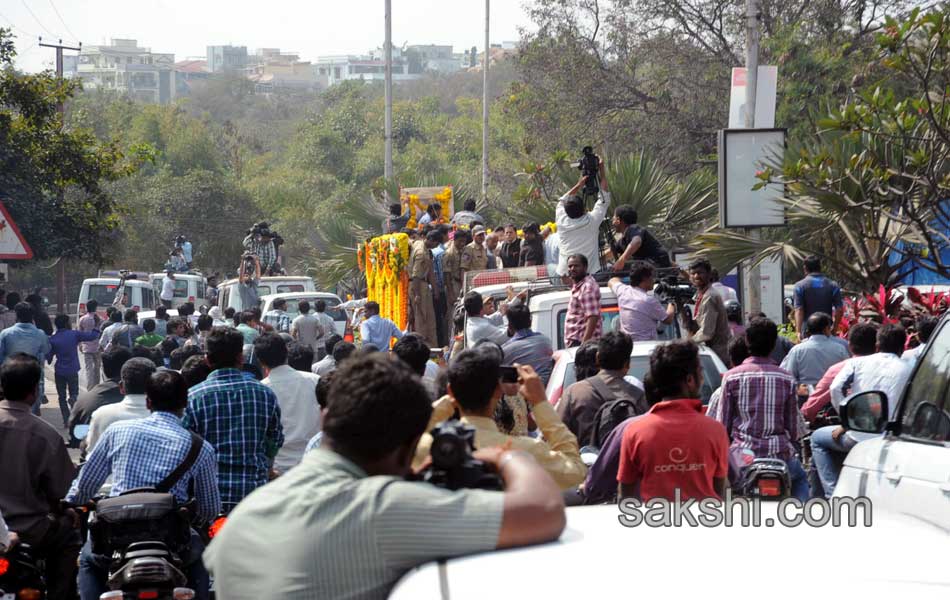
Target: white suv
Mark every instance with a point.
(907, 469)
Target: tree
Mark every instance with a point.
(870, 193)
(51, 178)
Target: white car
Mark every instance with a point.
(907, 469)
(295, 298)
(139, 294)
(189, 287)
(563, 377)
(596, 557)
(228, 296)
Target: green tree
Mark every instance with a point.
(51, 178)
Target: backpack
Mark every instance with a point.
(612, 412)
(121, 336)
(145, 514)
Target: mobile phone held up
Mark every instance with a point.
(509, 375)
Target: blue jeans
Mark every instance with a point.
(800, 487)
(828, 456)
(94, 571)
(66, 401)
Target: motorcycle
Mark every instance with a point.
(146, 533)
(21, 575)
(757, 477)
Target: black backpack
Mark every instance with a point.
(612, 412)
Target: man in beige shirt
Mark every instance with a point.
(475, 389)
(710, 325)
(475, 255)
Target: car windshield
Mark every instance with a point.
(103, 293)
(639, 365)
(338, 314)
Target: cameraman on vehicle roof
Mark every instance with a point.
(289, 538)
(579, 231)
(635, 242)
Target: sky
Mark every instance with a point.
(310, 27)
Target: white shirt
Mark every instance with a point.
(131, 407)
(883, 372)
(299, 412)
(324, 365)
(913, 355)
(725, 292)
(581, 235)
(491, 328)
(4, 535)
(328, 326)
(168, 288)
(307, 330)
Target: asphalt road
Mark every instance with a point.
(50, 411)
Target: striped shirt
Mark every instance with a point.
(240, 418)
(327, 530)
(759, 408)
(278, 319)
(143, 452)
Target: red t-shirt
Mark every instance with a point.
(674, 446)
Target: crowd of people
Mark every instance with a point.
(314, 446)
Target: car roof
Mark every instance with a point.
(150, 314)
(185, 275)
(641, 348)
(271, 278)
(114, 281)
(598, 549)
(289, 295)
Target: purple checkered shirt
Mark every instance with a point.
(759, 408)
(585, 302)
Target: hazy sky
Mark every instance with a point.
(310, 27)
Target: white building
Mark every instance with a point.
(331, 70)
(125, 67)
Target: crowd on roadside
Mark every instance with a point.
(313, 445)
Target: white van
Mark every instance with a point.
(294, 299)
(189, 287)
(228, 296)
(141, 296)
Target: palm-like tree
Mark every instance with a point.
(834, 209)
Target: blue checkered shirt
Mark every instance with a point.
(266, 252)
(240, 418)
(143, 452)
(278, 319)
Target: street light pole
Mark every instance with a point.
(754, 275)
(485, 109)
(62, 304)
(388, 49)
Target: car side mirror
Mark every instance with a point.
(80, 431)
(865, 412)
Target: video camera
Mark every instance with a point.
(672, 289)
(589, 165)
(452, 466)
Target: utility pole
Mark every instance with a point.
(61, 266)
(485, 109)
(753, 275)
(388, 50)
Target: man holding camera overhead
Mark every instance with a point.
(579, 230)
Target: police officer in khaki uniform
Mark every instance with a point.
(421, 277)
(475, 255)
(452, 274)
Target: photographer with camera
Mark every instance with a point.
(635, 243)
(249, 276)
(289, 539)
(475, 388)
(578, 230)
(640, 311)
(260, 243)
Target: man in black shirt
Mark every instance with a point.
(397, 219)
(532, 247)
(636, 243)
(510, 249)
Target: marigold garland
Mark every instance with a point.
(385, 262)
